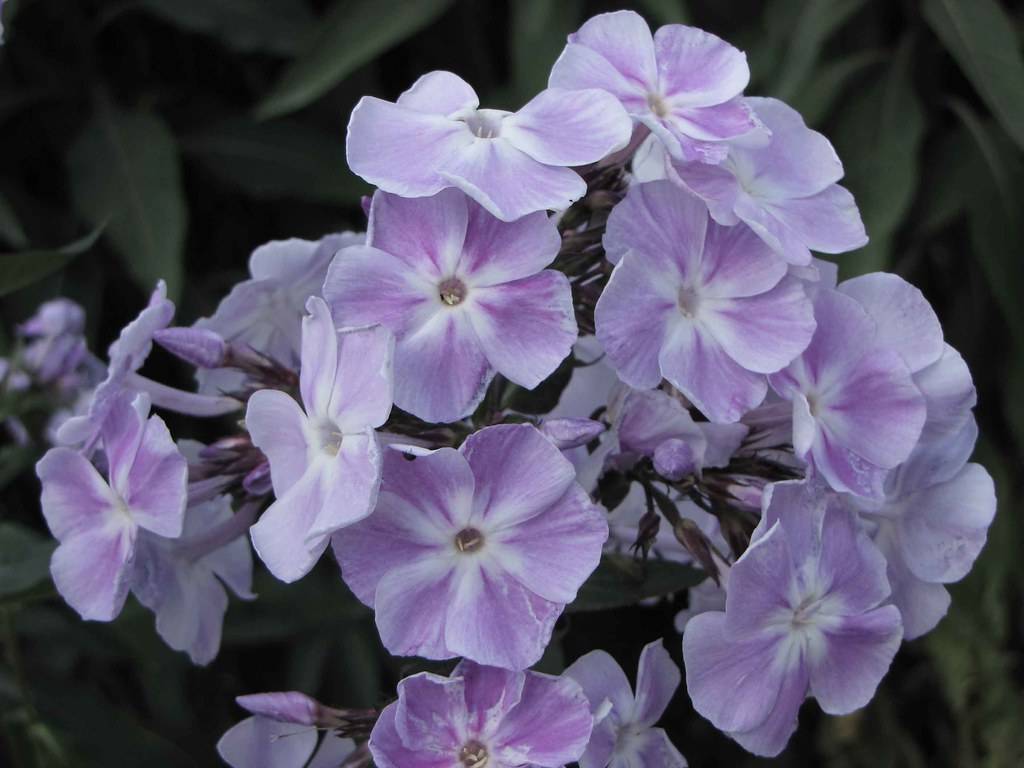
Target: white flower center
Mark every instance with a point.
(474, 755)
(689, 302)
(452, 291)
(328, 436)
(484, 123)
(657, 104)
(469, 540)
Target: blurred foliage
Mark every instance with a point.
(170, 137)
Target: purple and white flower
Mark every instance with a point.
(856, 410)
(784, 188)
(624, 735)
(512, 163)
(465, 295)
(803, 615)
(474, 552)
(683, 83)
(718, 308)
(56, 346)
(324, 455)
(482, 716)
(98, 522)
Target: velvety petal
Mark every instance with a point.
(581, 67)
(550, 726)
(508, 182)
(277, 426)
(734, 684)
(519, 474)
(439, 93)
(665, 223)
(767, 226)
(602, 679)
(944, 527)
(427, 234)
(633, 340)
(423, 503)
(365, 383)
(355, 478)
(400, 149)
(75, 498)
(91, 570)
(859, 652)
(694, 361)
(526, 327)
(497, 251)
(696, 68)
(906, 322)
(921, 604)
(770, 737)
(389, 752)
(431, 710)
(713, 184)
(569, 127)
(949, 394)
(737, 264)
(657, 679)
(536, 553)
(479, 616)
(710, 124)
(410, 606)
(259, 742)
(623, 40)
(441, 371)
(828, 222)
(491, 693)
(156, 486)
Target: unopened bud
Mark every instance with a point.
(571, 433)
(286, 707)
(696, 543)
(647, 533)
(257, 482)
(201, 347)
(674, 459)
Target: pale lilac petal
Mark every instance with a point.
(657, 679)
(581, 67)
(422, 504)
(550, 726)
(259, 742)
(519, 474)
(365, 384)
(479, 616)
(779, 237)
(737, 264)
(425, 234)
(944, 527)
(122, 430)
(646, 749)
(439, 93)
(75, 498)
(319, 371)
(399, 149)
(569, 127)
(713, 184)
(623, 40)
(508, 182)
(497, 251)
(191, 616)
(534, 552)
(602, 679)
(949, 394)
(828, 222)
(759, 585)
(157, 484)
(667, 224)
(922, 605)
(696, 68)
(491, 693)
(934, 461)
(601, 747)
(770, 737)
(277, 426)
(634, 340)
(430, 709)
(389, 752)
(283, 706)
(441, 371)
(696, 125)
(365, 285)
(906, 322)
(734, 684)
(92, 570)
(648, 418)
(527, 327)
(849, 562)
(844, 470)
(350, 491)
(859, 652)
(695, 363)
(409, 605)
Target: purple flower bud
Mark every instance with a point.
(285, 707)
(257, 482)
(571, 433)
(674, 459)
(201, 347)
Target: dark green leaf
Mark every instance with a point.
(10, 228)
(125, 169)
(539, 32)
(612, 489)
(982, 39)
(985, 141)
(20, 269)
(278, 160)
(828, 83)
(545, 396)
(353, 32)
(666, 11)
(270, 26)
(620, 581)
(879, 138)
(24, 559)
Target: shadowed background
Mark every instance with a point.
(168, 138)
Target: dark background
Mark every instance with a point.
(198, 129)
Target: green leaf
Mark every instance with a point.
(666, 11)
(817, 21)
(545, 396)
(10, 228)
(879, 137)
(981, 37)
(352, 33)
(269, 26)
(24, 559)
(20, 269)
(828, 83)
(125, 169)
(539, 32)
(621, 581)
(278, 160)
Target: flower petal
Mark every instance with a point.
(75, 498)
(426, 234)
(497, 251)
(277, 426)
(410, 606)
(365, 385)
(696, 68)
(667, 224)
(259, 742)
(828, 222)
(657, 679)
(92, 569)
(388, 750)
(439, 93)
(602, 679)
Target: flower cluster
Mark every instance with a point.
(638, 238)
